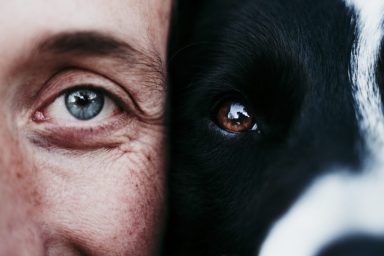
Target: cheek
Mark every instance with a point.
(107, 200)
(19, 199)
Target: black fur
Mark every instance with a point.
(289, 60)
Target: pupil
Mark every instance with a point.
(84, 104)
(82, 99)
(237, 113)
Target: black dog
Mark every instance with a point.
(277, 131)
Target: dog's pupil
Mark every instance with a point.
(234, 117)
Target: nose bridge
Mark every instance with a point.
(365, 189)
(344, 202)
(364, 59)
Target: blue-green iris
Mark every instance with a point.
(84, 104)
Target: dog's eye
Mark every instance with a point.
(234, 117)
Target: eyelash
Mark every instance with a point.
(62, 78)
(119, 102)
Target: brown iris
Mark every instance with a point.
(234, 117)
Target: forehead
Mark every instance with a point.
(312, 25)
(308, 30)
(26, 17)
(312, 38)
(24, 22)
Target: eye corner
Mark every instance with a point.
(38, 117)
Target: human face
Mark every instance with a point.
(81, 126)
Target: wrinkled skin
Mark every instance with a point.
(72, 187)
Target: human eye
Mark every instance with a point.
(81, 109)
(82, 104)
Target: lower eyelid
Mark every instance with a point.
(85, 138)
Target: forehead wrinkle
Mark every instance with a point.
(146, 63)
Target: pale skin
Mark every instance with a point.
(70, 186)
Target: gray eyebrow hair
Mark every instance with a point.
(94, 43)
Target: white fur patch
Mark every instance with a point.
(364, 61)
(342, 203)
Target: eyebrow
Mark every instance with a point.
(93, 43)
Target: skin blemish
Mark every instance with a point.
(39, 117)
(19, 175)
